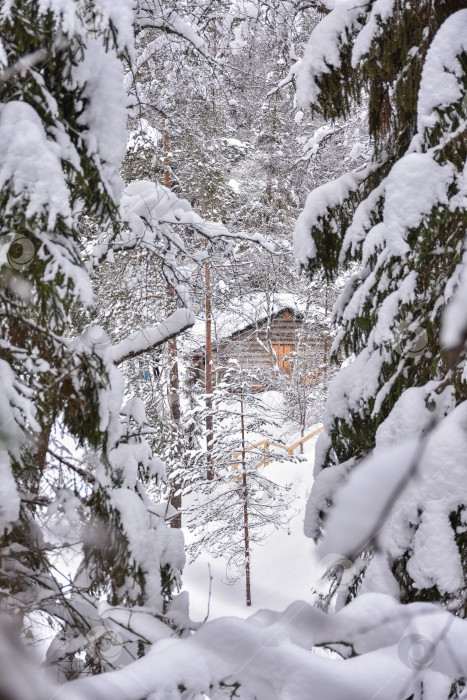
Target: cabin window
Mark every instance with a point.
(283, 354)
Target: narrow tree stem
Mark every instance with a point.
(208, 374)
(245, 510)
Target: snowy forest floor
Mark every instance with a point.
(278, 573)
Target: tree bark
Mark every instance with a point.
(245, 512)
(174, 403)
(208, 375)
(174, 380)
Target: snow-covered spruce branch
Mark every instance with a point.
(86, 475)
(30, 61)
(147, 339)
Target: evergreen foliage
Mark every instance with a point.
(402, 219)
(75, 465)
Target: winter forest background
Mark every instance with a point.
(172, 171)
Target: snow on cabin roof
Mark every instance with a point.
(241, 314)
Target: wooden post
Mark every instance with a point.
(208, 373)
(245, 511)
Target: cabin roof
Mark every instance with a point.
(261, 321)
(244, 314)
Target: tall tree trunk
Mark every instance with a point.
(174, 404)
(245, 511)
(166, 154)
(174, 380)
(208, 374)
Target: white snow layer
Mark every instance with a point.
(15, 410)
(323, 49)
(454, 323)
(317, 204)
(408, 486)
(414, 186)
(31, 164)
(441, 82)
(381, 10)
(70, 15)
(148, 338)
(269, 656)
(101, 73)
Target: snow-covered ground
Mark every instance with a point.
(281, 569)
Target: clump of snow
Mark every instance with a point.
(357, 232)
(122, 16)
(327, 484)
(441, 83)
(156, 468)
(312, 145)
(138, 341)
(9, 497)
(15, 410)
(402, 488)
(411, 416)
(236, 143)
(146, 201)
(383, 331)
(3, 56)
(298, 118)
(269, 656)
(101, 73)
(317, 203)
(414, 186)
(145, 134)
(360, 503)
(322, 52)
(31, 164)
(381, 10)
(454, 323)
(135, 409)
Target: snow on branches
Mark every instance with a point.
(402, 220)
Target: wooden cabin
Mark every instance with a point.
(260, 345)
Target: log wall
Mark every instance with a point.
(280, 336)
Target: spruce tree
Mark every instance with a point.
(51, 102)
(74, 464)
(403, 220)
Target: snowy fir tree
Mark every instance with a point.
(403, 219)
(75, 464)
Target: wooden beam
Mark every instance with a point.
(267, 443)
(308, 437)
